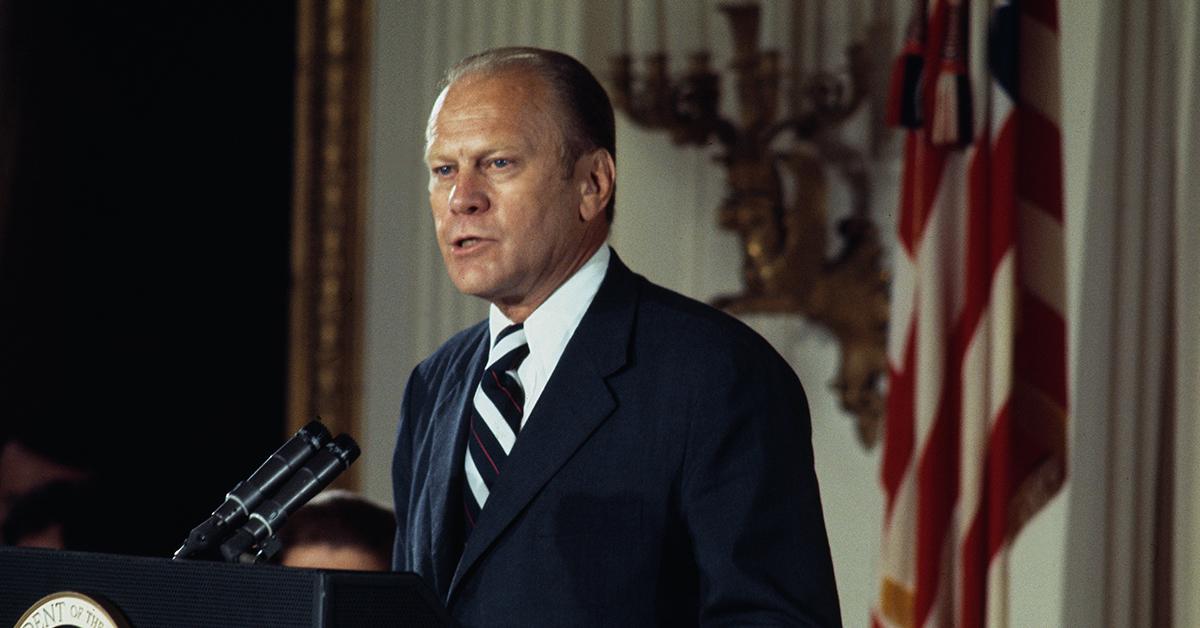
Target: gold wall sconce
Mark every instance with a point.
(784, 238)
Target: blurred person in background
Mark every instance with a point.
(63, 514)
(339, 530)
(57, 489)
(30, 461)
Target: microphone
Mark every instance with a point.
(240, 502)
(319, 472)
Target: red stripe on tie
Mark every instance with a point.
(484, 449)
(507, 394)
(470, 519)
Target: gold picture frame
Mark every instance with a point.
(328, 217)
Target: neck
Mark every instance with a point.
(518, 312)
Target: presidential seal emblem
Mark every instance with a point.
(70, 609)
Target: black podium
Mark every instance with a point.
(153, 592)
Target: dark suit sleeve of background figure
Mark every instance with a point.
(751, 501)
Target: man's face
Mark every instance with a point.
(511, 224)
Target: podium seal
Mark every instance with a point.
(71, 610)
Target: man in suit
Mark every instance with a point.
(600, 451)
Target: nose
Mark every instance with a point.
(469, 194)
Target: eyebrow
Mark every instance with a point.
(517, 147)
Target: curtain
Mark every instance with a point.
(1186, 570)
(1137, 343)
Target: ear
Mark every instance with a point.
(597, 176)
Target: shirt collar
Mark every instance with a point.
(551, 325)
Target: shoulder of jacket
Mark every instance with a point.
(455, 353)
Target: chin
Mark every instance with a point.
(480, 289)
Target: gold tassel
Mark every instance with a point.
(952, 123)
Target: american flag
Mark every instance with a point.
(975, 437)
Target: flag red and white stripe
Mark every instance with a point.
(975, 437)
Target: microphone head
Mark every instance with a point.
(315, 433)
(344, 448)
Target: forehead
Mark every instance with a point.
(478, 109)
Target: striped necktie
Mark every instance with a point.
(495, 419)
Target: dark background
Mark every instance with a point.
(144, 256)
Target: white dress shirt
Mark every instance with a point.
(550, 327)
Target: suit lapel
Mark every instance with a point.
(575, 402)
(448, 451)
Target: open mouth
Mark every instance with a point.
(466, 242)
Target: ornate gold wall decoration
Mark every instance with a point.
(328, 217)
(786, 267)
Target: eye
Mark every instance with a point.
(501, 163)
(443, 171)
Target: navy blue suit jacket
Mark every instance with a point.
(665, 476)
